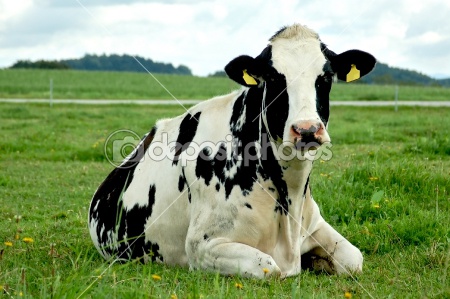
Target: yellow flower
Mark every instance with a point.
(348, 295)
(17, 237)
(156, 277)
(28, 240)
(373, 178)
(265, 270)
(239, 285)
(376, 206)
(7, 243)
(173, 296)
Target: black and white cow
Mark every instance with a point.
(224, 197)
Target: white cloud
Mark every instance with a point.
(12, 9)
(430, 37)
(205, 35)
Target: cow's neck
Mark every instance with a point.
(290, 226)
(296, 174)
(289, 178)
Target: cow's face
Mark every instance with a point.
(296, 67)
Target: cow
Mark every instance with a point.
(212, 189)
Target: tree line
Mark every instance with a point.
(107, 63)
(382, 74)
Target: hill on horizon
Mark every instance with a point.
(124, 63)
(120, 63)
(385, 74)
(382, 74)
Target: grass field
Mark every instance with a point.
(386, 189)
(121, 85)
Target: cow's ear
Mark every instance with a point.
(244, 70)
(352, 65)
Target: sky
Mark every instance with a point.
(206, 34)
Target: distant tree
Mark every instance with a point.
(444, 82)
(40, 64)
(183, 70)
(125, 63)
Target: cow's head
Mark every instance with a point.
(297, 70)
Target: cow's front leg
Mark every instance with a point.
(329, 251)
(227, 257)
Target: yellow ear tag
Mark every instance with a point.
(354, 74)
(249, 79)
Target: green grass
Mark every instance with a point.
(108, 85)
(68, 84)
(386, 189)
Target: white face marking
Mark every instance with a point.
(301, 62)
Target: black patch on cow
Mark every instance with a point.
(203, 168)
(187, 131)
(181, 183)
(134, 227)
(220, 160)
(277, 107)
(106, 206)
(205, 237)
(151, 196)
(306, 186)
(183, 177)
(327, 52)
(238, 111)
(247, 104)
(248, 133)
(271, 170)
(245, 157)
(266, 56)
(209, 166)
(323, 87)
(248, 205)
(152, 250)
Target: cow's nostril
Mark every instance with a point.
(307, 129)
(309, 133)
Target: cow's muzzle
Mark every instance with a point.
(309, 134)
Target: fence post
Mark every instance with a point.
(396, 98)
